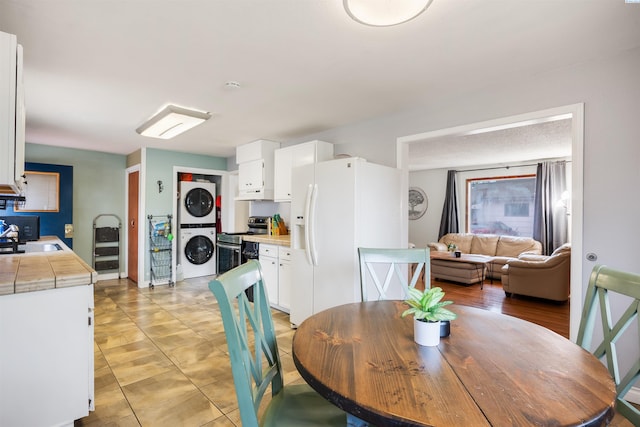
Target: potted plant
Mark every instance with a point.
(451, 247)
(428, 311)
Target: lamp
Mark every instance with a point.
(172, 121)
(384, 13)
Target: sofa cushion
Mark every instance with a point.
(484, 244)
(461, 240)
(513, 246)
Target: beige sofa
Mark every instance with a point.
(501, 249)
(540, 276)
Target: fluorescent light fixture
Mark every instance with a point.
(172, 121)
(384, 13)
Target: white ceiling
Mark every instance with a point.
(95, 70)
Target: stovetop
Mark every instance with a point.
(236, 238)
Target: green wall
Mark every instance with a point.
(158, 166)
(98, 188)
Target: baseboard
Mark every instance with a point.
(633, 395)
(111, 276)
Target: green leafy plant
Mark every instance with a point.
(427, 305)
(451, 247)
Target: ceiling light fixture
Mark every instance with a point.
(384, 13)
(172, 121)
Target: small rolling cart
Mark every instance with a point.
(160, 252)
(106, 243)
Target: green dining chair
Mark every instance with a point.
(390, 268)
(603, 283)
(255, 362)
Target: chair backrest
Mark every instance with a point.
(603, 282)
(255, 362)
(395, 266)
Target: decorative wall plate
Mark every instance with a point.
(418, 202)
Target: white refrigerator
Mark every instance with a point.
(336, 207)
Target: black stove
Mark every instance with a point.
(255, 224)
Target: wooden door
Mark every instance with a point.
(132, 226)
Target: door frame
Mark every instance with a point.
(577, 186)
(223, 192)
(135, 168)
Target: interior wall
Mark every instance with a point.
(98, 188)
(611, 94)
(159, 166)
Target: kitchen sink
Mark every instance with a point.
(32, 247)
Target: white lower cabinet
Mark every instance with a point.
(284, 278)
(268, 257)
(275, 262)
(46, 357)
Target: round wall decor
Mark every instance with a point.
(418, 202)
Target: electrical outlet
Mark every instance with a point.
(68, 231)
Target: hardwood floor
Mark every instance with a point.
(551, 315)
(160, 354)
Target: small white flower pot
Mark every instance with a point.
(426, 333)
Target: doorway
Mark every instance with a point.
(133, 206)
(576, 112)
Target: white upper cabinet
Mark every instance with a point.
(12, 118)
(296, 155)
(255, 170)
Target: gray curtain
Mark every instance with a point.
(550, 221)
(449, 220)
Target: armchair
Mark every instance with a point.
(540, 276)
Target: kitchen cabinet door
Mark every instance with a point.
(282, 175)
(268, 258)
(12, 116)
(284, 278)
(46, 356)
(250, 176)
(288, 158)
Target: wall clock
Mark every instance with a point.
(418, 202)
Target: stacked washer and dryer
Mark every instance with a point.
(197, 218)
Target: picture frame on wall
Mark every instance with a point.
(418, 202)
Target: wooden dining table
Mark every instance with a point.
(493, 370)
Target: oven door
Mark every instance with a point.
(228, 256)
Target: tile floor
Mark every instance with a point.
(160, 357)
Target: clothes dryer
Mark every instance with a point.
(197, 251)
(197, 204)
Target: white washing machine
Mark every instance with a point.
(197, 203)
(197, 251)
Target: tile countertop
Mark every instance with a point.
(271, 240)
(37, 271)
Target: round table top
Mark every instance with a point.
(493, 369)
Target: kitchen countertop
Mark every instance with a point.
(37, 271)
(284, 240)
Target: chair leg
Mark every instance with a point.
(353, 421)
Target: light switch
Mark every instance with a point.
(68, 231)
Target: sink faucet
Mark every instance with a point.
(9, 230)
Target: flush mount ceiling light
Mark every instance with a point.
(384, 13)
(172, 121)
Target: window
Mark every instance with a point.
(41, 192)
(502, 205)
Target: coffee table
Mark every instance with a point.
(481, 262)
